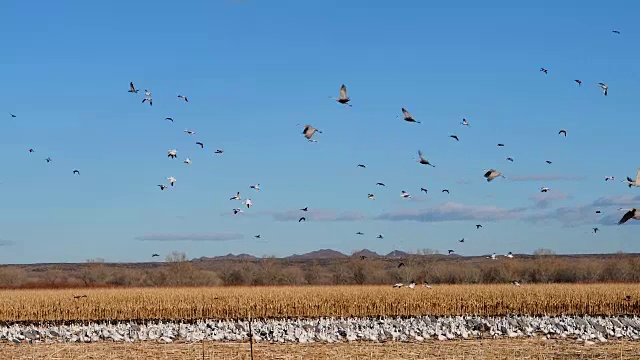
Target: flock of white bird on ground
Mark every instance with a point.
(309, 131)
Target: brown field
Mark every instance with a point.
(497, 349)
(314, 301)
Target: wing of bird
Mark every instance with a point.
(131, 86)
(638, 176)
(201, 144)
(406, 114)
(628, 215)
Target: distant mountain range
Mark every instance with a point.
(314, 255)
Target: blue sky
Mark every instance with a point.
(254, 69)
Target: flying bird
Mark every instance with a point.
(12, 115)
(465, 122)
(172, 180)
(150, 100)
(76, 172)
(510, 159)
(380, 236)
(162, 186)
(147, 92)
(424, 190)
(219, 152)
(362, 166)
(579, 82)
(478, 226)
(548, 162)
(309, 131)
(236, 196)
(631, 182)
(405, 195)
(359, 233)
(305, 208)
(461, 240)
(400, 265)
(450, 251)
(544, 189)
(187, 161)
(313, 140)
(31, 150)
(492, 174)
(172, 153)
(48, 160)
(598, 212)
(248, 203)
(607, 178)
(500, 144)
(183, 98)
(445, 190)
(200, 144)
(632, 213)
(454, 137)
(563, 132)
(302, 219)
(189, 132)
(408, 117)
(604, 88)
(255, 187)
(343, 98)
(132, 89)
(544, 70)
(380, 184)
(615, 32)
(170, 119)
(155, 255)
(422, 160)
(371, 196)
(237, 211)
(257, 236)
(595, 230)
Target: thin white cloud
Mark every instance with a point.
(452, 211)
(545, 200)
(548, 177)
(191, 237)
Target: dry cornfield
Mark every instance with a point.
(316, 301)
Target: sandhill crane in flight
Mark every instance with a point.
(155, 255)
(510, 159)
(219, 152)
(12, 115)
(257, 236)
(255, 187)
(313, 140)
(607, 178)
(631, 182)
(371, 197)
(615, 32)
(150, 100)
(562, 132)
(548, 162)
(632, 213)
(380, 184)
(579, 82)
(200, 144)
(478, 226)
(595, 230)
(408, 117)
(492, 174)
(172, 180)
(248, 203)
(343, 98)
(309, 130)
(162, 186)
(598, 212)
(400, 265)
(169, 119)
(31, 150)
(236, 196)
(302, 219)
(604, 88)
(544, 189)
(454, 137)
(147, 92)
(362, 166)
(450, 251)
(544, 70)
(446, 190)
(183, 98)
(172, 153)
(379, 236)
(187, 161)
(405, 195)
(48, 160)
(422, 160)
(305, 208)
(465, 122)
(76, 172)
(424, 190)
(237, 211)
(132, 89)
(359, 233)
(189, 132)
(501, 144)
(461, 240)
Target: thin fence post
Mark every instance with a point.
(250, 339)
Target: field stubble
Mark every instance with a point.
(188, 304)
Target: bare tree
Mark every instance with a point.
(176, 256)
(543, 251)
